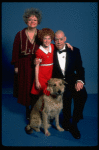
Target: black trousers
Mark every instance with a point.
(79, 98)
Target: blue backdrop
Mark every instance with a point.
(79, 21)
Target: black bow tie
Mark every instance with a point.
(62, 51)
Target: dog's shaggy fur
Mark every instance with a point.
(47, 107)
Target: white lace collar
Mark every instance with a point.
(44, 50)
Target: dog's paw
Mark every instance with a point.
(48, 126)
(47, 133)
(28, 130)
(60, 129)
(37, 129)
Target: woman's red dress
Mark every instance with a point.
(45, 70)
(22, 57)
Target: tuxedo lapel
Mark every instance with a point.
(67, 59)
(57, 62)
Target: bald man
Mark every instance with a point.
(68, 66)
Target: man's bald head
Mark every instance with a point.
(60, 32)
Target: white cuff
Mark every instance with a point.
(80, 81)
(40, 60)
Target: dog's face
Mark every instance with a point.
(56, 86)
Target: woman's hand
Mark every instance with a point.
(16, 70)
(69, 46)
(38, 85)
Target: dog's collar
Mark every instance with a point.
(54, 96)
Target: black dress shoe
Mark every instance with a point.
(74, 131)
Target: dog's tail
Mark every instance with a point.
(28, 129)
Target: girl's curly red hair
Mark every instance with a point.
(44, 32)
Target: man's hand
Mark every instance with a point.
(69, 46)
(79, 85)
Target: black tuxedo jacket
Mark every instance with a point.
(73, 69)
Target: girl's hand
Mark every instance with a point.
(37, 61)
(69, 46)
(16, 70)
(38, 85)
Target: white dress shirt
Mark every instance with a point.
(62, 60)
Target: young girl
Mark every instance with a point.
(43, 71)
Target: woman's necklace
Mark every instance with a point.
(33, 41)
(33, 36)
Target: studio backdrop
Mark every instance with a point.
(79, 22)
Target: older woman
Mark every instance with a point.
(24, 47)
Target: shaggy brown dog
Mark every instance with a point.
(47, 107)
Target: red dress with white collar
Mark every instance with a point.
(45, 68)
